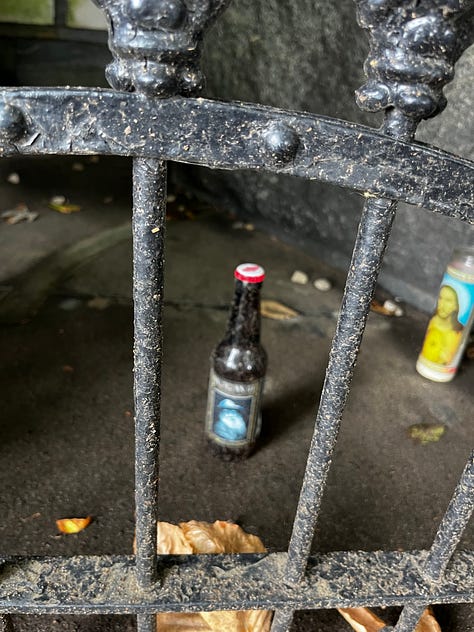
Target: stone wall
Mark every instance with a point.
(298, 55)
(305, 55)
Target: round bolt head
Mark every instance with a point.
(281, 142)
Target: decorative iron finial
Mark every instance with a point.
(156, 44)
(413, 48)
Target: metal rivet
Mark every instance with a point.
(281, 142)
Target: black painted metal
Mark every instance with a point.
(369, 248)
(6, 623)
(155, 46)
(149, 210)
(446, 540)
(108, 584)
(236, 136)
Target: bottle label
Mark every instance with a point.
(449, 326)
(233, 411)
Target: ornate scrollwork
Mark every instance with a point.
(413, 48)
(156, 44)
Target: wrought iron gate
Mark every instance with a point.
(152, 116)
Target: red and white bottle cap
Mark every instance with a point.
(249, 272)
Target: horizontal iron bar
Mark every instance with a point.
(108, 584)
(236, 136)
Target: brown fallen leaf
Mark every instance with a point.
(203, 537)
(364, 620)
(388, 308)
(361, 619)
(73, 525)
(378, 308)
(277, 311)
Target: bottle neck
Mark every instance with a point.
(243, 328)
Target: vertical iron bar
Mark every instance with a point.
(453, 524)
(447, 538)
(367, 257)
(369, 248)
(149, 210)
(146, 623)
(282, 620)
(374, 229)
(409, 618)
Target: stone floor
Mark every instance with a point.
(66, 375)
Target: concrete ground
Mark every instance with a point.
(66, 375)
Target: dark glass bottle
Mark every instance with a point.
(238, 366)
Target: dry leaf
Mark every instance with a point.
(73, 525)
(202, 537)
(171, 540)
(20, 213)
(227, 537)
(220, 537)
(99, 302)
(364, 620)
(428, 622)
(378, 308)
(426, 433)
(388, 308)
(66, 209)
(277, 311)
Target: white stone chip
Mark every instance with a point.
(322, 284)
(299, 277)
(13, 178)
(393, 308)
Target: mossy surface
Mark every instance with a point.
(27, 11)
(82, 14)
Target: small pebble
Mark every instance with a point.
(243, 226)
(108, 199)
(299, 277)
(77, 166)
(69, 304)
(171, 198)
(393, 308)
(98, 302)
(94, 159)
(57, 199)
(13, 178)
(323, 285)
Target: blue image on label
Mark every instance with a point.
(463, 300)
(231, 416)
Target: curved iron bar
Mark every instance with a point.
(236, 136)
